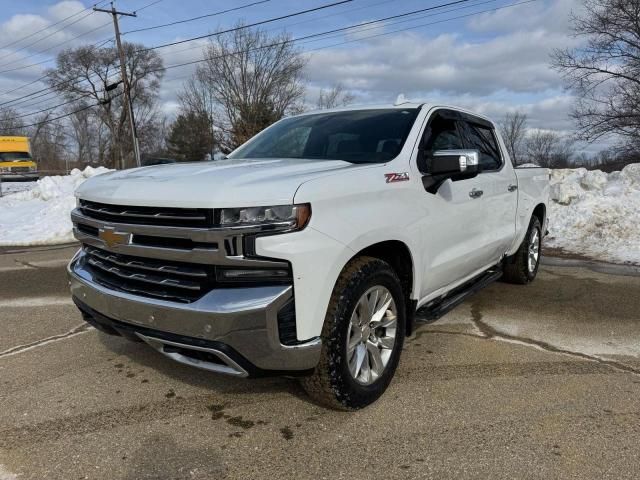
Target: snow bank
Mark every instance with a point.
(592, 213)
(40, 216)
(596, 214)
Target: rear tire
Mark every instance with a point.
(362, 337)
(522, 267)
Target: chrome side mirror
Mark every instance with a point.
(442, 165)
(453, 162)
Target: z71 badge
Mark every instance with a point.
(397, 177)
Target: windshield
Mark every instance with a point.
(356, 136)
(15, 157)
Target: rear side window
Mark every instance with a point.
(482, 138)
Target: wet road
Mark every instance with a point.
(540, 381)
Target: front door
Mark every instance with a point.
(452, 229)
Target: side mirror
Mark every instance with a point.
(453, 164)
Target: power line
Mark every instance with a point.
(50, 89)
(73, 100)
(98, 45)
(313, 19)
(49, 49)
(52, 25)
(262, 22)
(47, 36)
(423, 25)
(317, 35)
(49, 120)
(147, 6)
(320, 34)
(177, 22)
(150, 4)
(405, 20)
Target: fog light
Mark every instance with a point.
(251, 274)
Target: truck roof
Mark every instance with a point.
(14, 144)
(399, 106)
(12, 138)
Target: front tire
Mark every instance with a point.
(522, 267)
(362, 337)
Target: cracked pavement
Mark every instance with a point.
(540, 381)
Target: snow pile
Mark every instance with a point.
(596, 214)
(40, 216)
(592, 213)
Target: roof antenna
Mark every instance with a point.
(401, 99)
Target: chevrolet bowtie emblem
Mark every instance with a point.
(112, 238)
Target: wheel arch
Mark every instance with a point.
(540, 211)
(398, 255)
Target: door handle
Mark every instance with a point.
(475, 193)
(512, 188)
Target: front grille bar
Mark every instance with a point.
(153, 279)
(126, 213)
(160, 216)
(148, 265)
(163, 295)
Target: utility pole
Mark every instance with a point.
(125, 80)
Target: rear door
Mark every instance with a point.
(498, 184)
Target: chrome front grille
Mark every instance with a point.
(137, 255)
(163, 216)
(167, 280)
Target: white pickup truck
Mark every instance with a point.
(309, 250)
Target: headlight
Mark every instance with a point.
(5, 169)
(277, 217)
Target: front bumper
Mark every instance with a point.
(238, 326)
(19, 177)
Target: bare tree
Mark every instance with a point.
(334, 97)
(84, 73)
(82, 132)
(604, 72)
(198, 101)
(513, 129)
(48, 141)
(10, 124)
(548, 149)
(255, 79)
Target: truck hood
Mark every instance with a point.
(221, 183)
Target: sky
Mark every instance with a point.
(491, 56)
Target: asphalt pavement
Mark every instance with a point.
(540, 381)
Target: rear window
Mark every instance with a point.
(356, 136)
(483, 139)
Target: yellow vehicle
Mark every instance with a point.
(16, 162)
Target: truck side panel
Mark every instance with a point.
(533, 189)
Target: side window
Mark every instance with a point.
(482, 138)
(442, 134)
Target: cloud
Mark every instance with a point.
(498, 61)
(492, 63)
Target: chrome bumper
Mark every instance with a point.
(20, 177)
(237, 323)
